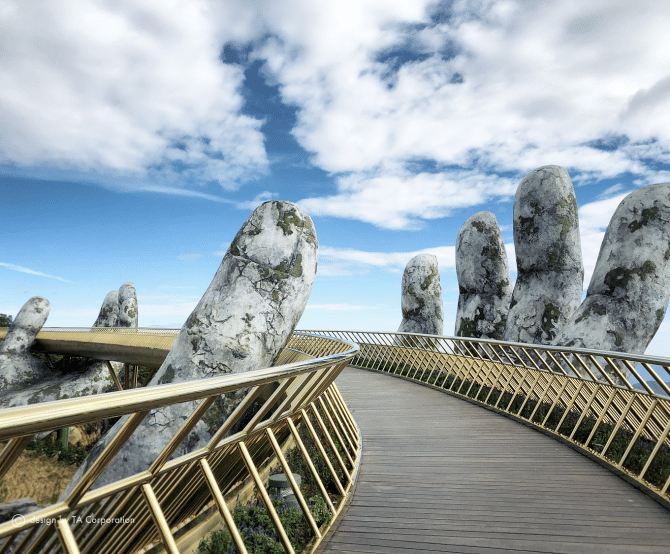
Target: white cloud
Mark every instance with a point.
(32, 272)
(137, 90)
(394, 198)
(259, 199)
(131, 88)
(539, 83)
(390, 260)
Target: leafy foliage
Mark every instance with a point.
(54, 448)
(253, 520)
(5, 320)
(258, 531)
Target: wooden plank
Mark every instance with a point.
(439, 474)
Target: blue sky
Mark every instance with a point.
(137, 136)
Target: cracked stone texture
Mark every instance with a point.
(17, 367)
(81, 380)
(484, 282)
(84, 381)
(628, 294)
(109, 311)
(421, 297)
(127, 316)
(242, 323)
(43, 384)
(550, 272)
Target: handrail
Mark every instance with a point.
(174, 490)
(581, 397)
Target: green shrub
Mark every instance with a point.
(259, 533)
(54, 448)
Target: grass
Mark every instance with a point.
(657, 473)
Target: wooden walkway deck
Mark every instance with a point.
(439, 474)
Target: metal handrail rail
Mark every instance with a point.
(579, 396)
(172, 491)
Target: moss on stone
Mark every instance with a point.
(660, 313)
(550, 316)
(527, 226)
(467, 328)
(566, 223)
(428, 280)
(275, 296)
(409, 314)
(620, 276)
(34, 399)
(498, 330)
(557, 256)
(592, 309)
(481, 227)
(192, 322)
(618, 338)
(648, 215)
(296, 270)
(168, 376)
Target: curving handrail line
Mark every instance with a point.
(146, 508)
(578, 396)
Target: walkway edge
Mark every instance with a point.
(347, 501)
(585, 452)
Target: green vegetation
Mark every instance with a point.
(55, 449)
(3, 491)
(253, 520)
(5, 320)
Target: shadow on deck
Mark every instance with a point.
(439, 474)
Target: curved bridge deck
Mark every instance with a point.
(439, 474)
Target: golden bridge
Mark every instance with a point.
(435, 444)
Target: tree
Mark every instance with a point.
(5, 320)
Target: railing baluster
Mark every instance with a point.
(159, 519)
(66, 537)
(221, 505)
(310, 464)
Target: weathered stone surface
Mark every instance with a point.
(20, 506)
(550, 272)
(628, 294)
(127, 315)
(421, 297)
(242, 322)
(17, 367)
(84, 380)
(484, 282)
(109, 311)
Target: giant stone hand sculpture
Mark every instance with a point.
(109, 311)
(629, 291)
(421, 297)
(85, 377)
(483, 278)
(17, 367)
(242, 323)
(550, 273)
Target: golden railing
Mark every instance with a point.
(146, 508)
(581, 397)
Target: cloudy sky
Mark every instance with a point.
(137, 136)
